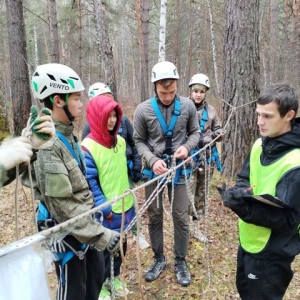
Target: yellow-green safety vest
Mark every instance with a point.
(264, 180)
(110, 162)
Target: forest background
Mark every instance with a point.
(243, 46)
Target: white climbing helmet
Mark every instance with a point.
(164, 70)
(98, 88)
(55, 78)
(200, 79)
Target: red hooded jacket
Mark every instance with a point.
(98, 111)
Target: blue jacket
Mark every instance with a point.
(126, 132)
(115, 222)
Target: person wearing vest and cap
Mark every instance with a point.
(106, 170)
(269, 235)
(166, 126)
(60, 183)
(210, 127)
(134, 162)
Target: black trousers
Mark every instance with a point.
(117, 261)
(262, 279)
(80, 279)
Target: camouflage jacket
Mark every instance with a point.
(60, 184)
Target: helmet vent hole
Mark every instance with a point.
(44, 89)
(51, 77)
(63, 81)
(36, 74)
(74, 78)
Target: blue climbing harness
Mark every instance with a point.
(67, 256)
(214, 151)
(148, 174)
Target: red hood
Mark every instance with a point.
(98, 111)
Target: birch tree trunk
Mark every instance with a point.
(53, 31)
(105, 48)
(20, 88)
(36, 53)
(241, 82)
(162, 31)
(213, 46)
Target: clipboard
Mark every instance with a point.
(268, 199)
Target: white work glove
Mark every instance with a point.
(39, 129)
(14, 152)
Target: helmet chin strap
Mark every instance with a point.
(67, 112)
(65, 108)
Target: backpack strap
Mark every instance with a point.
(167, 129)
(70, 148)
(204, 118)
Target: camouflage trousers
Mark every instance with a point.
(199, 187)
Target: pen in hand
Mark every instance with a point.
(249, 188)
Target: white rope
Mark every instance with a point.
(16, 204)
(206, 252)
(51, 234)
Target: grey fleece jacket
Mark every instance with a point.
(149, 136)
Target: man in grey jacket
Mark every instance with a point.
(156, 138)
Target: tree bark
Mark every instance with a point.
(20, 88)
(294, 55)
(241, 82)
(105, 48)
(144, 83)
(274, 41)
(145, 31)
(53, 31)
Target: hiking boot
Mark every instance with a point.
(118, 287)
(142, 241)
(104, 294)
(155, 269)
(182, 273)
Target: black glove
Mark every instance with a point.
(114, 244)
(219, 131)
(233, 197)
(136, 176)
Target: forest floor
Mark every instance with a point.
(212, 265)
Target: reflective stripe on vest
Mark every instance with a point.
(108, 161)
(264, 179)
